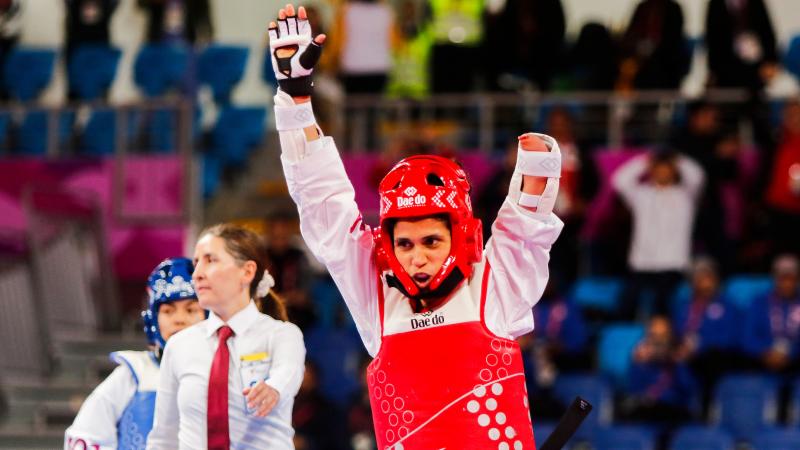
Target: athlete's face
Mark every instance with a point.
(177, 315)
(219, 279)
(421, 246)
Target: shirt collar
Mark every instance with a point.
(239, 323)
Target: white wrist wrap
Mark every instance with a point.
(529, 200)
(295, 117)
(539, 164)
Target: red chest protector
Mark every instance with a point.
(450, 387)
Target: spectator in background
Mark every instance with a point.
(654, 46)
(741, 44)
(11, 12)
(457, 34)
(577, 186)
(363, 35)
(660, 386)
(561, 335)
(494, 194)
(593, 61)
(717, 152)
(525, 39)
(182, 21)
(706, 327)
(742, 53)
(88, 22)
(661, 189)
(540, 375)
(410, 75)
(771, 332)
(359, 413)
(318, 424)
(783, 189)
(288, 264)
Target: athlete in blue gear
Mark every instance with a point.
(118, 414)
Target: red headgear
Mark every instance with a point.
(427, 185)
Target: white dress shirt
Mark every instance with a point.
(518, 251)
(277, 350)
(662, 216)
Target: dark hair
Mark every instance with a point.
(245, 245)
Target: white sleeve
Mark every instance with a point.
(96, 423)
(288, 361)
(517, 254)
(692, 175)
(332, 227)
(164, 435)
(625, 179)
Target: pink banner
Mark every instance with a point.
(152, 188)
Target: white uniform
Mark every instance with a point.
(659, 212)
(261, 348)
(331, 225)
(119, 412)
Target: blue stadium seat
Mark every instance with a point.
(741, 290)
(237, 132)
(91, 70)
(745, 404)
(695, 437)
(337, 352)
(791, 59)
(99, 135)
(599, 293)
(160, 67)
(681, 296)
(596, 390)
(614, 350)
(27, 72)
(625, 438)
(777, 439)
(221, 67)
(267, 73)
(32, 134)
(212, 173)
(794, 404)
(541, 431)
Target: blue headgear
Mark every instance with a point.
(169, 282)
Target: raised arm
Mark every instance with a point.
(329, 218)
(692, 175)
(518, 252)
(626, 178)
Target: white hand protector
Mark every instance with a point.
(294, 54)
(538, 164)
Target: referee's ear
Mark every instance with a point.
(249, 269)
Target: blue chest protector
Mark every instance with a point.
(137, 419)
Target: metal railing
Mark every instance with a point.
(484, 121)
(155, 127)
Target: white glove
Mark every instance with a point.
(294, 54)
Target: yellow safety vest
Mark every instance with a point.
(457, 22)
(409, 76)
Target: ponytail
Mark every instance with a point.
(273, 305)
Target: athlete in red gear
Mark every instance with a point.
(437, 311)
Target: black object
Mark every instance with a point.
(568, 424)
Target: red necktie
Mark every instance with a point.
(217, 414)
